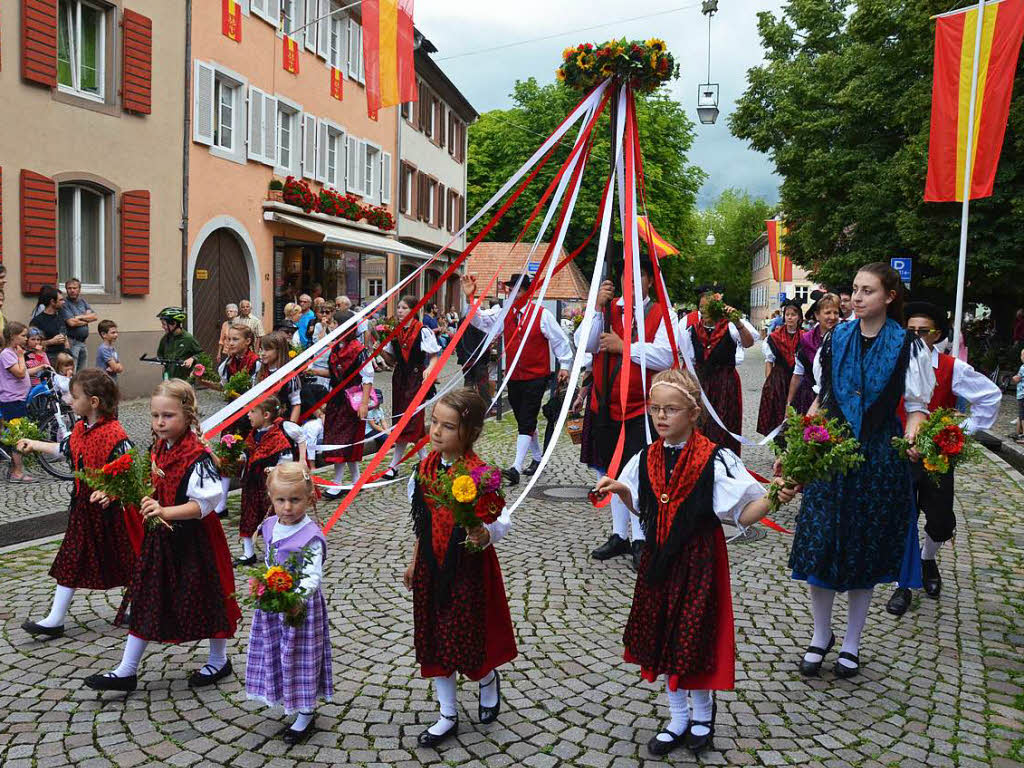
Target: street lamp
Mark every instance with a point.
(707, 93)
(710, 239)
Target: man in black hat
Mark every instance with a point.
(953, 378)
(530, 375)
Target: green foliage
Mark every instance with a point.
(842, 106)
(238, 384)
(942, 443)
(127, 479)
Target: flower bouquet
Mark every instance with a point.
(645, 65)
(127, 479)
(227, 454)
(942, 442)
(203, 371)
(16, 430)
(384, 327)
(294, 351)
(276, 589)
(715, 309)
(473, 495)
(238, 384)
(816, 449)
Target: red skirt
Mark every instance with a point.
(721, 383)
(405, 383)
(96, 552)
(773, 399)
(342, 426)
(255, 502)
(683, 627)
(472, 632)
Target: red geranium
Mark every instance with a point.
(121, 464)
(950, 440)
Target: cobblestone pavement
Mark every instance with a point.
(940, 687)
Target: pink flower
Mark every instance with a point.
(816, 434)
(487, 479)
(253, 586)
(198, 370)
(260, 589)
(229, 440)
(380, 328)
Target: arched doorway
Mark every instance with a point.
(220, 277)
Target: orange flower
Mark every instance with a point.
(278, 579)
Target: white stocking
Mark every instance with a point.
(620, 517)
(247, 547)
(339, 474)
(679, 709)
(218, 653)
(489, 690)
(133, 651)
(522, 448)
(353, 471)
(444, 688)
(702, 710)
(859, 602)
(396, 459)
(302, 720)
(929, 548)
(225, 484)
(636, 528)
(535, 447)
(821, 612)
(61, 600)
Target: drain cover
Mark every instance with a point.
(754, 533)
(565, 493)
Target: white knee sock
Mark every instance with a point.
(679, 709)
(61, 600)
(339, 474)
(620, 517)
(821, 612)
(396, 459)
(133, 651)
(929, 548)
(247, 547)
(635, 527)
(218, 653)
(225, 484)
(444, 688)
(702, 709)
(535, 447)
(302, 720)
(522, 448)
(353, 471)
(857, 615)
(489, 690)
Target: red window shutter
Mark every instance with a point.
(135, 242)
(39, 42)
(137, 76)
(38, 231)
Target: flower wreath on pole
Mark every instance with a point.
(644, 65)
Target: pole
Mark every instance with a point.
(968, 175)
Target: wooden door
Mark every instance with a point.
(221, 277)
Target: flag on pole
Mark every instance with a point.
(955, 36)
(337, 84)
(782, 267)
(290, 55)
(662, 247)
(231, 20)
(388, 53)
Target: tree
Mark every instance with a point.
(842, 106)
(502, 140)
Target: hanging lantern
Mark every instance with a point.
(707, 93)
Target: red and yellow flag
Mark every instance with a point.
(955, 37)
(337, 84)
(290, 55)
(231, 19)
(649, 235)
(388, 53)
(782, 267)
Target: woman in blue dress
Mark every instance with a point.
(852, 531)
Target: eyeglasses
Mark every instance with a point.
(922, 332)
(670, 411)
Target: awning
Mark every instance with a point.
(350, 238)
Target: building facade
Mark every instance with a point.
(765, 290)
(91, 162)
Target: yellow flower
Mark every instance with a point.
(654, 60)
(929, 465)
(560, 75)
(292, 353)
(583, 61)
(657, 44)
(272, 570)
(15, 422)
(464, 489)
(607, 70)
(567, 53)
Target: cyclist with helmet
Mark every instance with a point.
(177, 344)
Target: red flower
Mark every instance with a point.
(488, 507)
(807, 421)
(950, 440)
(121, 464)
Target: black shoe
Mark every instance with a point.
(844, 671)
(293, 737)
(250, 560)
(490, 714)
(532, 469)
(812, 668)
(34, 629)
(931, 577)
(698, 744)
(511, 475)
(202, 678)
(899, 602)
(107, 682)
(615, 546)
(428, 739)
(660, 748)
(389, 474)
(332, 493)
(637, 548)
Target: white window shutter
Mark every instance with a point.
(256, 97)
(342, 139)
(385, 178)
(352, 182)
(259, 7)
(297, 122)
(202, 117)
(309, 125)
(323, 46)
(323, 138)
(310, 31)
(362, 64)
(269, 130)
(354, 50)
(274, 12)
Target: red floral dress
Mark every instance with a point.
(261, 452)
(342, 425)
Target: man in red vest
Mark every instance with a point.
(953, 379)
(607, 414)
(532, 372)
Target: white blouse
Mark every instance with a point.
(734, 486)
(428, 343)
(313, 569)
(497, 529)
(204, 488)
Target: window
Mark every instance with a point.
(801, 292)
(431, 201)
(289, 139)
(219, 111)
(374, 287)
(355, 52)
(330, 152)
(291, 16)
(268, 10)
(371, 173)
(82, 235)
(224, 127)
(407, 110)
(408, 178)
(284, 138)
(336, 39)
(81, 48)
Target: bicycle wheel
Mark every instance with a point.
(54, 431)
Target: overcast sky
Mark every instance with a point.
(459, 27)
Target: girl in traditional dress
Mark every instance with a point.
(681, 622)
(97, 551)
(291, 666)
(275, 349)
(344, 425)
(460, 611)
(271, 442)
(412, 352)
(852, 531)
(779, 358)
(240, 358)
(182, 584)
(825, 310)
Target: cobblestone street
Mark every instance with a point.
(942, 686)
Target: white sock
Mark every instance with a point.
(857, 614)
(353, 471)
(302, 720)
(399, 453)
(821, 612)
(133, 651)
(702, 708)
(636, 528)
(620, 518)
(535, 447)
(522, 448)
(339, 474)
(247, 547)
(929, 548)
(679, 709)
(444, 688)
(218, 653)
(61, 600)
(489, 690)
(225, 484)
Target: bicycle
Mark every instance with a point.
(55, 420)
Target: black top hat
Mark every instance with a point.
(513, 279)
(798, 306)
(927, 309)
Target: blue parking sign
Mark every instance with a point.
(782, 297)
(903, 266)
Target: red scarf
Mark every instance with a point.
(273, 442)
(173, 464)
(407, 338)
(442, 521)
(246, 362)
(689, 466)
(92, 446)
(786, 344)
(342, 357)
(709, 342)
